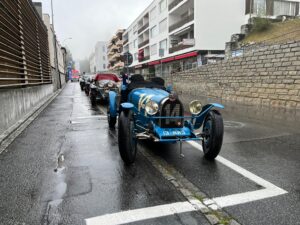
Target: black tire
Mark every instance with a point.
(213, 130)
(126, 138)
(93, 100)
(111, 119)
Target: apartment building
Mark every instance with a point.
(173, 35)
(271, 8)
(101, 56)
(92, 60)
(114, 51)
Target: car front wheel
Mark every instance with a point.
(111, 119)
(127, 137)
(213, 131)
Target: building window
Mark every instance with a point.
(162, 5)
(130, 46)
(260, 7)
(163, 26)
(104, 66)
(136, 56)
(103, 49)
(285, 8)
(135, 43)
(153, 32)
(153, 13)
(104, 58)
(153, 49)
(163, 45)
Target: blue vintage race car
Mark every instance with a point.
(147, 110)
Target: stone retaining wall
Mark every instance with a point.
(268, 76)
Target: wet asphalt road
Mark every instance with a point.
(65, 168)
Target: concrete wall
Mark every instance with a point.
(269, 76)
(16, 103)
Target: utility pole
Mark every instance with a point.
(55, 47)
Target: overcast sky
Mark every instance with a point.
(89, 21)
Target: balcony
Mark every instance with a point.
(116, 56)
(186, 43)
(114, 48)
(174, 4)
(183, 21)
(147, 57)
(143, 43)
(120, 43)
(143, 28)
(125, 41)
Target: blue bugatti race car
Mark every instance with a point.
(148, 110)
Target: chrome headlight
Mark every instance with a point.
(101, 85)
(110, 85)
(151, 108)
(195, 107)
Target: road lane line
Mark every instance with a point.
(270, 190)
(135, 215)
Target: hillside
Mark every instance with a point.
(279, 32)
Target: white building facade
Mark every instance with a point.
(173, 35)
(98, 58)
(92, 60)
(101, 60)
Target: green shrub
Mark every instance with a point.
(261, 24)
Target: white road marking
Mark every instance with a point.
(135, 215)
(89, 117)
(270, 189)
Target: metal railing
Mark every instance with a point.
(174, 4)
(24, 50)
(183, 21)
(143, 28)
(145, 58)
(144, 43)
(179, 47)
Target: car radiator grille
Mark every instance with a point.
(171, 109)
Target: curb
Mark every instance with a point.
(15, 130)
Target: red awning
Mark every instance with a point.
(154, 63)
(168, 60)
(187, 55)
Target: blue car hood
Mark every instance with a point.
(154, 94)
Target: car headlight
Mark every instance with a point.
(110, 85)
(195, 107)
(151, 108)
(101, 85)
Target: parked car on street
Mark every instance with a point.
(75, 78)
(102, 85)
(147, 110)
(83, 81)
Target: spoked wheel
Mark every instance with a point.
(213, 131)
(127, 137)
(111, 119)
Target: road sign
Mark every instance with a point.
(127, 59)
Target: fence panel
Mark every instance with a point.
(24, 51)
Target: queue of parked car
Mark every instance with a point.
(98, 86)
(148, 110)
